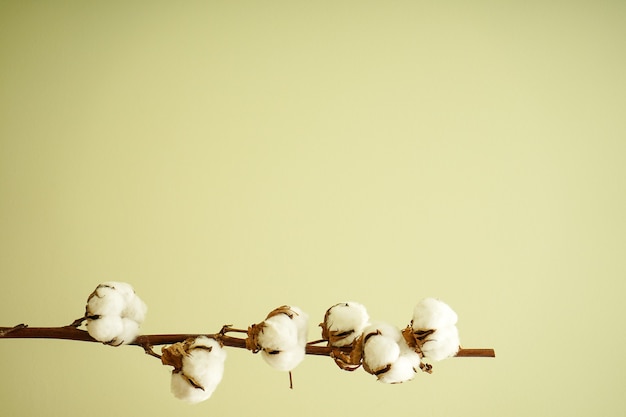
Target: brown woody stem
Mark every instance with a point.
(70, 332)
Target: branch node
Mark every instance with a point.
(12, 329)
(76, 323)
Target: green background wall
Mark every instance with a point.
(229, 157)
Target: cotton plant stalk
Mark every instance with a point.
(114, 313)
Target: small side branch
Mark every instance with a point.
(476, 353)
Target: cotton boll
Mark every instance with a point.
(388, 330)
(279, 333)
(105, 300)
(345, 322)
(281, 337)
(202, 369)
(431, 313)
(301, 320)
(205, 363)
(135, 309)
(379, 352)
(183, 390)
(402, 370)
(128, 334)
(442, 344)
(124, 289)
(284, 360)
(114, 313)
(105, 329)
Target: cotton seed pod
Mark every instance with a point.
(344, 323)
(441, 344)
(198, 368)
(281, 337)
(302, 324)
(114, 313)
(284, 360)
(433, 330)
(404, 368)
(104, 301)
(431, 313)
(386, 329)
(278, 332)
(380, 350)
(107, 329)
(135, 309)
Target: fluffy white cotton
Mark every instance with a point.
(388, 330)
(442, 344)
(431, 313)
(379, 351)
(104, 301)
(135, 309)
(301, 319)
(107, 329)
(345, 323)
(183, 390)
(402, 370)
(114, 313)
(283, 339)
(279, 333)
(284, 360)
(201, 373)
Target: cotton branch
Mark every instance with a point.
(22, 331)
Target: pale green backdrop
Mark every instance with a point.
(229, 157)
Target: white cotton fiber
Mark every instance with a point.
(284, 360)
(135, 309)
(442, 344)
(124, 288)
(279, 333)
(379, 351)
(388, 330)
(183, 390)
(106, 329)
(105, 300)
(283, 338)
(130, 332)
(202, 371)
(431, 313)
(402, 370)
(114, 313)
(205, 363)
(301, 320)
(347, 318)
